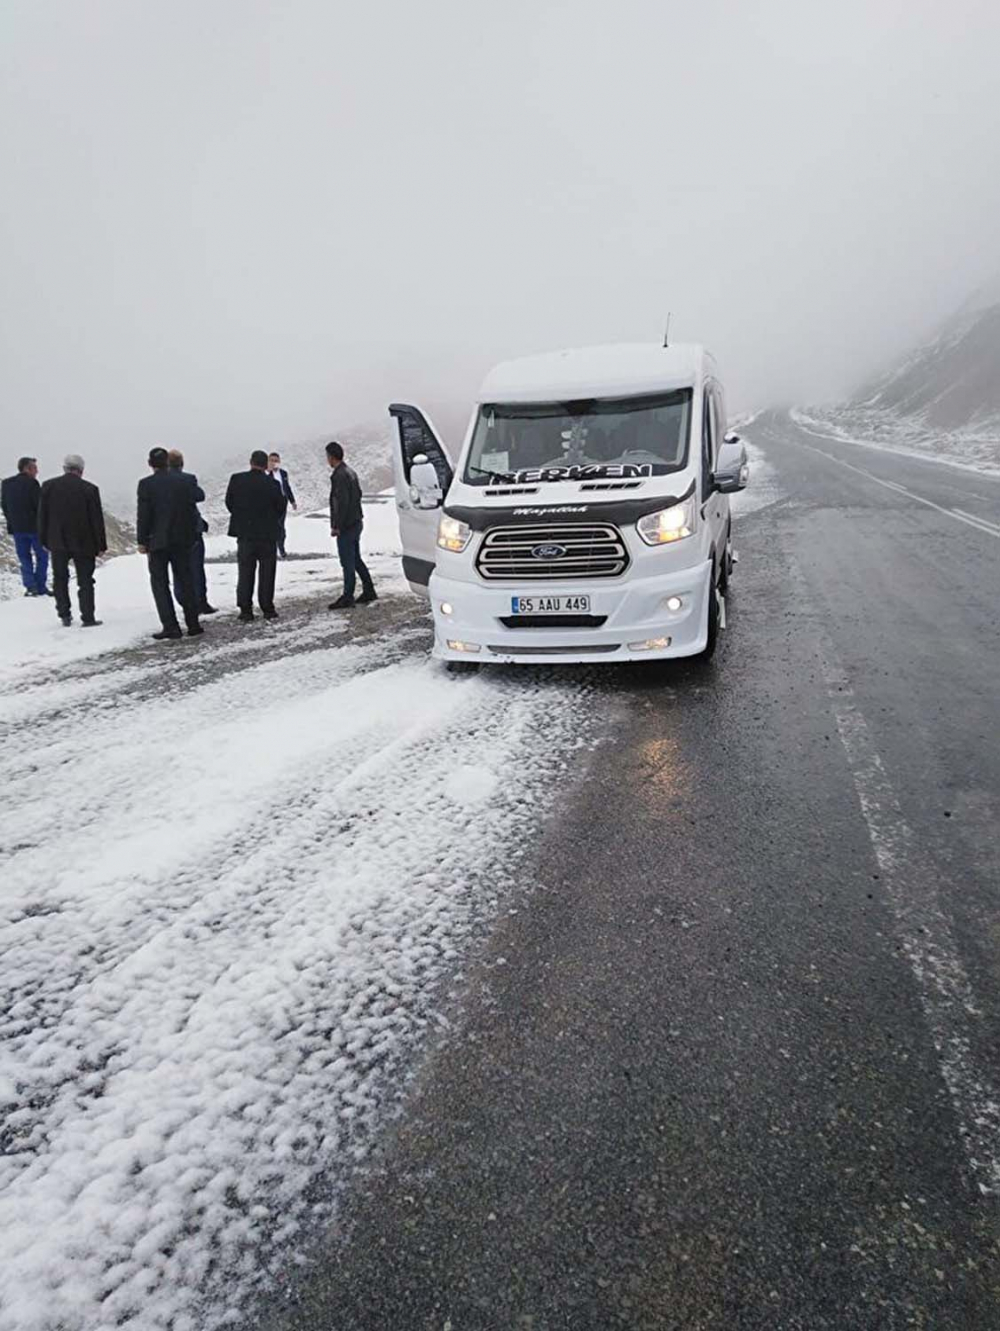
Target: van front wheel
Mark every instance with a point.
(461, 667)
(715, 613)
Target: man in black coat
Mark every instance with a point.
(257, 507)
(19, 496)
(71, 527)
(175, 460)
(167, 525)
(279, 475)
(346, 526)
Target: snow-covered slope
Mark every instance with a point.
(367, 447)
(942, 399)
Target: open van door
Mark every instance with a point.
(423, 473)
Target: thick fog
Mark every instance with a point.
(229, 223)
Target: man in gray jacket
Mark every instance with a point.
(346, 526)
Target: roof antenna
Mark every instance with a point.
(666, 335)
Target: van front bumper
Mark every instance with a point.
(637, 623)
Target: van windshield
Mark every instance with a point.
(629, 437)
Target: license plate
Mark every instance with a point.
(550, 605)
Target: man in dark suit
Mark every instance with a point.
(256, 506)
(175, 460)
(278, 474)
(19, 500)
(167, 524)
(71, 527)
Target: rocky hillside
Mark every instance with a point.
(952, 382)
(367, 447)
(943, 398)
(121, 541)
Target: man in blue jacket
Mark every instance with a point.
(19, 496)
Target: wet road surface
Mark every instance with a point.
(736, 1061)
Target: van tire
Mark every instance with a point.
(462, 667)
(708, 651)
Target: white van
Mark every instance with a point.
(587, 515)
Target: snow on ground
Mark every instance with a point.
(763, 489)
(872, 428)
(31, 634)
(235, 893)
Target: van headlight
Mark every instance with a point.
(453, 535)
(668, 524)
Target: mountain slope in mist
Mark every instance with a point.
(953, 381)
(367, 447)
(941, 400)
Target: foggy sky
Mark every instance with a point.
(226, 223)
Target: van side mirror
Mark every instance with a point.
(732, 471)
(425, 487)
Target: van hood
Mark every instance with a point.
(565, 502)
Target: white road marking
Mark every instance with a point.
(980, 524)
(923, 929)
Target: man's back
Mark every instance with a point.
(19, 495)
(345, 498)
(256, 506)
(70, 516)
(167, 513)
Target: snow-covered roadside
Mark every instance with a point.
(31, 637)
(889, 432)
(763, 489)
(224, 918)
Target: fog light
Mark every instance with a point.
(650, 645)
(446, 608)
(464, 646)
(674, 603)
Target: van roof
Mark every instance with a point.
(621, 370)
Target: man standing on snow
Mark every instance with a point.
(346, 525)
(19, 497)
(167, 525)
(175, 461)
(280, 477)
(71, 527)
(257, 508)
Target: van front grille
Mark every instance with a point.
(552, 553)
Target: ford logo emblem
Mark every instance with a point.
(548, 552)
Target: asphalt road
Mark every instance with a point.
(736, 1063)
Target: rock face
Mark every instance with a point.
(953, 382)
(367, 448)
(121, 541)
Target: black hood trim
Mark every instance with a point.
(622, 512)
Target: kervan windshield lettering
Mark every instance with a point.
(533, 475)
(535, 443)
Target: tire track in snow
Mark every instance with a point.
(208, 1013)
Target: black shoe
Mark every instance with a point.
(246, 617)
(46, 591)
(367, 596)
(30, 591)
(206, 609)
(66, 621)
(269, 614)
(342, 603)
(194, 630)
(164, 634)
(91, 623)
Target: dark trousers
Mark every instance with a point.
(197, 575)
(281, 539)
(354, 567)
(257, 560)
(173, 561)
(34, 560)
(84, 565)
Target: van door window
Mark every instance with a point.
(708, 444)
